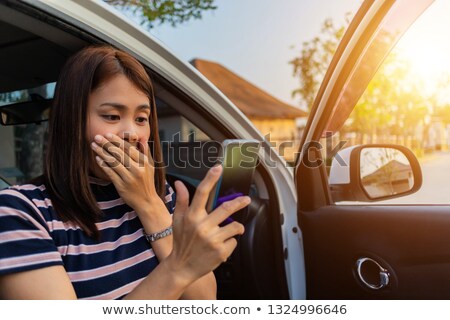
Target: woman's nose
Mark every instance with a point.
(130, 136)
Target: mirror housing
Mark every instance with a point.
(374, 172)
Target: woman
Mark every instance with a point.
(97, 224)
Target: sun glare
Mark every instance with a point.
(426, 48)
(429, 58)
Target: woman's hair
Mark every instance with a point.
(67, 167)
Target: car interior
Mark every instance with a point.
(34, 46)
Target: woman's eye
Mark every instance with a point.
(111, 117)
(141, 119)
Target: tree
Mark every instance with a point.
(393, 108)
(164, 11)
(315, 56)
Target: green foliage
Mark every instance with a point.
(173, 12)
(444, 113)
(394, 108)
(315, 56)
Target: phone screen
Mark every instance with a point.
(239, 161)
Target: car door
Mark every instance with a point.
(376, 250)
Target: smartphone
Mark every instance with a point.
(239, 159)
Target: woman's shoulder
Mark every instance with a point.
(28, 189)
(25, 240)
(27, 199)
(34, 189)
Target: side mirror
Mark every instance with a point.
(374, 172)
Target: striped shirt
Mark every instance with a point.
(32, 236)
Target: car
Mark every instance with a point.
(312, 231)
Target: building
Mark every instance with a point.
(271, 116)
(392, 178)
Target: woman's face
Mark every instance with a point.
(118, 107)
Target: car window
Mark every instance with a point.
(407, 103)
(187, 150)
(45, 91)
(23, 145)
(22, 155)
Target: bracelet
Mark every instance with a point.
(158, 235)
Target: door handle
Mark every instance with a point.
(372, 274)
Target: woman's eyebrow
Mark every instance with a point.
(123, 107)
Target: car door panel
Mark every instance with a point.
(402, 248)
(411, 242)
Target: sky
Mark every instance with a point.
(256, 39)
(425, 45)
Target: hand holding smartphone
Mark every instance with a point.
(238, 158)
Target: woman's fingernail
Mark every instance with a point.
(108, 135)
(216, 169)
(98, 138)
(247, 200)
(98, 159)
(94, 145)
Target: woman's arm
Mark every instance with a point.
(41, 284)
(199, 246)
(136, 186)
(203, 288)
(163, 283)
(52, 283)
(199, 231)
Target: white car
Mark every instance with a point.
(305, 237)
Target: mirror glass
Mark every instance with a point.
(385, 172)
